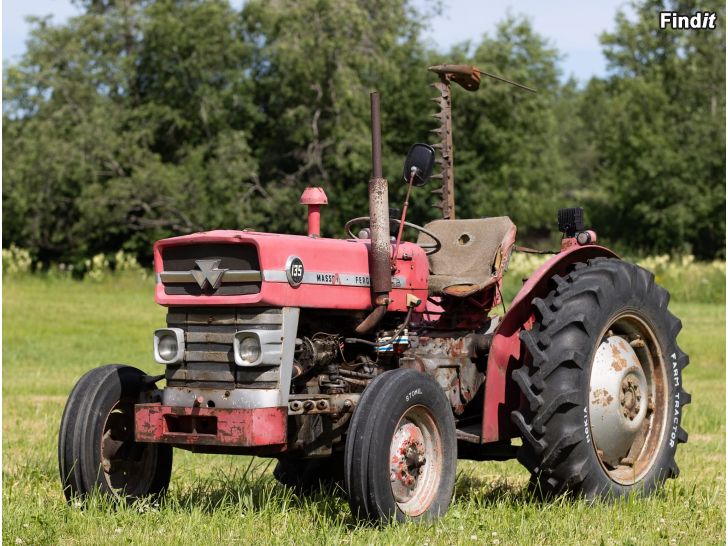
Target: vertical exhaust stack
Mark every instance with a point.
(380, 268)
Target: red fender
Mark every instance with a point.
(501, 394)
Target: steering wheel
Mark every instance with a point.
(429, 248)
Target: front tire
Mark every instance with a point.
(401, 449)
(602, 393)
(96, 447)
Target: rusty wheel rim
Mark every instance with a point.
(627, 399)
(127, 466)
(415, 461)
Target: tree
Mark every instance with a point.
(315, 63)
(658, 125)
(128, 124)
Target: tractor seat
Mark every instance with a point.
(472, 255)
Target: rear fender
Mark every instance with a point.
(501, 394)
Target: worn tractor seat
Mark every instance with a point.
(471, 255)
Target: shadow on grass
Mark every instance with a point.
(254, 489)
(470, 489)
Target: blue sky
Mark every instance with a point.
(573, 26)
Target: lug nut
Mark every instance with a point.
(308, 405)
(322, 404)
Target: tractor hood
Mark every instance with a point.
(242, 268)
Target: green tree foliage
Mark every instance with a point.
(315, 64)
(139, 120)
(657, 128)
(129, 123)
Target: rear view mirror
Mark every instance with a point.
(420, 160)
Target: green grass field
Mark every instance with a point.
(55, 330)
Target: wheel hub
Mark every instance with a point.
(618, 398)
(127, 465)
(407, 457)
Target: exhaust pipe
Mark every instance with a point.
(380, 268)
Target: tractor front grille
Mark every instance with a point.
(210, 270)
(208, 359)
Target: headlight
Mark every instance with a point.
(247, 350)
(169, 345)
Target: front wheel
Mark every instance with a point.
(602, 394)
(96, 447)
(401, 449)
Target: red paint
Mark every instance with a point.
(314, 198)
(314, 220)
(501, 394)
(226, 427)
(318, 255)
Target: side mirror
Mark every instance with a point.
(420, 160)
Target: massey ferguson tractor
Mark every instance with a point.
(381, 361)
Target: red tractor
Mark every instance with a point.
(382, 362)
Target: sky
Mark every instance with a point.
(572, 26)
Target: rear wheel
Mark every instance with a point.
(401, 450)
(603, 395)
(96, 448)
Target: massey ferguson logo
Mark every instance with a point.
(207, 272)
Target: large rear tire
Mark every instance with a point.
(602, 389)
(401, 449)
(96, 447)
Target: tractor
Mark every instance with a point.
(379, 362)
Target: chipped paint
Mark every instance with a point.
(602, 396)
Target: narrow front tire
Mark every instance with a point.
(96, 447)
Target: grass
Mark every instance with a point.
(55, 330)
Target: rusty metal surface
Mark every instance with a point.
(301, 404)
(446, 191)
(451, 361)
(381, 273)
(463, 74)
(469, 78)
(415, 461)
(210, 426)
(376, 135)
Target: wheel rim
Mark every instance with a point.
(627, 399)
(415, 461)
(128, 466)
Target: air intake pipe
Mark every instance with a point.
(379, 266)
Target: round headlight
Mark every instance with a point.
(167, 347)
(249, 349)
